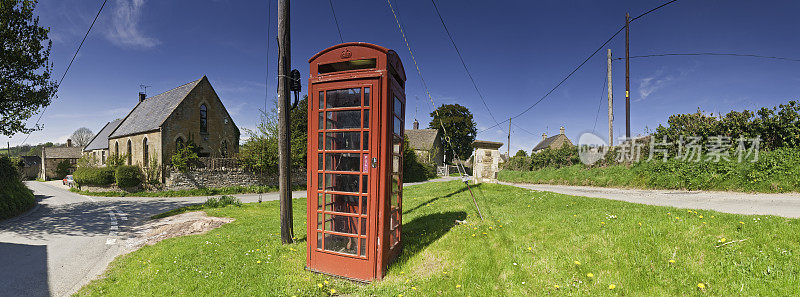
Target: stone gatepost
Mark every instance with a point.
(486, 161)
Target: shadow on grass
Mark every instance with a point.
(423, 231)
(434, 199)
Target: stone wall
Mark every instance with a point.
(228, 177)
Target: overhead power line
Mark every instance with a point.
(335, 20)
(714, 54)
(68, 66)
(462, 61)
(577, 68)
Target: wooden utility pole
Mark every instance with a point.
(610, 105)
(627, 76)
(509, 138)
(284, 150)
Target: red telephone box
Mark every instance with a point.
(356, 115)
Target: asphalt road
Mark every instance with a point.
(784, 205)
(69, 239)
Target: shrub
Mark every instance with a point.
(128, 176)
(185, 157)
(222, 201)
(116, 160)
(15, 198)
(63, 169)
(413, 170)
(101, 176)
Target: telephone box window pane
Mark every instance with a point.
(363, 247)
(394, 195)
(321, 121)
(366, 141)
(363, 205)
(396, 145)
(321, 100)
(346, 119)
(363, 226)
(342, 182)
(344, 203)
(319, 240)
(320, 221)
(341, 224)
(398, 127)
(364, 183)
(319, 181)
(342, 162)
(366, 118)
(342, 141)
(366, 96)
(320, 159)
(320, 201)
(321, 138)
(396, 164)
(341, 244)
(398, 107)
(344, 98)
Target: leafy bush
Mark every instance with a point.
(101, 176)
(222, 201)
(15, 198)
(260, 152)
(63, 169)
(116, 160)
(186, 157)
(152, 172)
(128, 176)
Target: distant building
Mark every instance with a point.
(98, 146)
(552, 142)
(52, 156)
(427, 144)
(31, 165)
(159, 125)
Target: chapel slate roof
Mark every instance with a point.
(149, 114)
(62, 152)
(549, 141)
(100, 141)
(421, 139)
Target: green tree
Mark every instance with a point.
(460, 126)
(260, 151)
(25, 67)
(521, 153)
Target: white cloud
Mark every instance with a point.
(649, 85)
(124, 30)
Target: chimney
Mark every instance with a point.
(142, 96)
(544, 136)
(562, 130)
(69, 142)
(416, 124)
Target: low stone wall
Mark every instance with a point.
(225, 177)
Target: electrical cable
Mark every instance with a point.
(335, 20)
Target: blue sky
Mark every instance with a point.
(516, 51)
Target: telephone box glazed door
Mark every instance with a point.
(342, 172)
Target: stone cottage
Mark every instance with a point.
(158, 125)
(427, 144)
(98, 146)
(552, 142)
(52, 156)
(31, 165)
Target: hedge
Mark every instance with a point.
(128, 176)
(102, 176)
(15, 198)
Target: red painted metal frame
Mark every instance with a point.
(386, 81)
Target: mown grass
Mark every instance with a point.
(526, 246)
(184, 193)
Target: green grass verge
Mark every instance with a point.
(527, 245)
(15, 198)
(185, 193)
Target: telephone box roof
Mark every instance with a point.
(394, 59)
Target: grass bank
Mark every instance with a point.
(185, 193)
(15, 197)
(530, 244)
(774, 172)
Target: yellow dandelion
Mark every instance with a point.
(259, 261)
(671, 261)
(722, 239)
(574, 215)
(689, 211)
(740, 222)
(701, 286)
(677, 218)
(319, 285)
(701, 216)
(602, 223)
(484, 233)
(473, 235)
(490, 227)
(458, 286)
(414, 288)
(640, 223)
(530, 248)
(257, 250)
(712, 217)
(333, 291)
(704, 223)
(325, 282)
(556, 286)
(577, 263)
(611, 286)
(590, 275)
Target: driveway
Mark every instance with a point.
(784, 205)
(69, 239)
